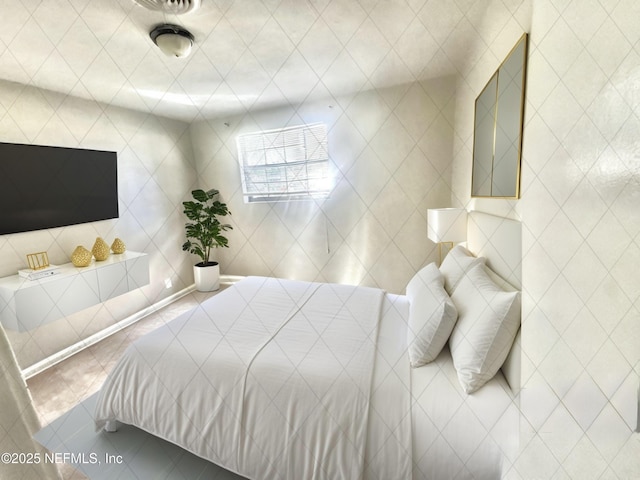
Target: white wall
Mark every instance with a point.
(581, 226)
(391, 154)
(155, 172)
(581, 330)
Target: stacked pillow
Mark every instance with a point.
(488, 322)
(432, 315)
(480, 319)
(458, 261)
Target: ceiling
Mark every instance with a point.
(248, 54)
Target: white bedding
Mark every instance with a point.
(455, 435)
(276, 379)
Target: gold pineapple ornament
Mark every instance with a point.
(118, 246)
(81, 257)
(100, 250)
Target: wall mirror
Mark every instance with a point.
(497, 136)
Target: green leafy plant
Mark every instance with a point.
(204, 232)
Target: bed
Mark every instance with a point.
(275, 378)
(471, 436)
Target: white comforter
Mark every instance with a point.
(275, 379)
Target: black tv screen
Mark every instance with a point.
(46, 187)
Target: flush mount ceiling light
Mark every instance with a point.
(176, 7)
(173, 40)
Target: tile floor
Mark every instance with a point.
(61, 387)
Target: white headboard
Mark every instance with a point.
(500, 241)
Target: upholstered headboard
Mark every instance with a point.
(500, 241)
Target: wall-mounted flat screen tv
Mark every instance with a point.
(46, 187)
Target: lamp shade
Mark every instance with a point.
(447, 225)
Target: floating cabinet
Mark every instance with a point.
(28, 304)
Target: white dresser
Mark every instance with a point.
(28, 304)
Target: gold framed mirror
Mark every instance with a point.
(498, 125)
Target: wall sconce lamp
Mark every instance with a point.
(446, 226)
(173, 40)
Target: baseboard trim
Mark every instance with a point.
(58, 357)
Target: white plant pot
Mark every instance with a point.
(207, 277)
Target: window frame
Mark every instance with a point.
(285, 164)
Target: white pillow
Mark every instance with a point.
(488, 321)
(432, 315)
(458, 261)
(427, 274)
(498, 280)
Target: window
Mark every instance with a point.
(285, 164)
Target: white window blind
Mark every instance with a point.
(285, 164)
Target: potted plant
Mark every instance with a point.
(204, 232)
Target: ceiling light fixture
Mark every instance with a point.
(173, 40)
